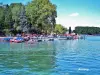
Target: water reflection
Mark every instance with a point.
(27, 58)
(71, 57)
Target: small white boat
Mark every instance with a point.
(31, 41)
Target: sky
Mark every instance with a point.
(73, 12)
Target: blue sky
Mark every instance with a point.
(73, 12)
(15, 1)
(78, 12)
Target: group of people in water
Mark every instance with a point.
(30, 38)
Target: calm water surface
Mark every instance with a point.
(70, 57)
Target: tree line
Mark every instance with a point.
(87, 30)
(38, 16)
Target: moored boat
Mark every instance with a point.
(17, 40)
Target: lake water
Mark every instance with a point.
(68, 57)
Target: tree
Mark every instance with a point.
(59, 29)
(2, 17)
(15, 10)
(70, 31)
(38, 15)
(41, 13)
(87, 30)
(8, 17)
(23, 24)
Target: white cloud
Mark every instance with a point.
(97, 20)
(73, 22)
(74, 14)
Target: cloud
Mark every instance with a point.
(73, 22)
(74, 14)
(97, 20)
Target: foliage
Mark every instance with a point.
(23, 23)
(8, 17)
(42, 14)
(15, 10)
(87, 30)
(37, 16)
(2, 17)
(59, 29)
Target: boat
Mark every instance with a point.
(17, 40)
(62, 37)
(39, 40)
(31, 41)
(50, 38)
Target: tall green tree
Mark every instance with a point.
(8, 17)
(7, 20)
(15, 10)
(41, 13)
(23, 23)
(2, 17)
